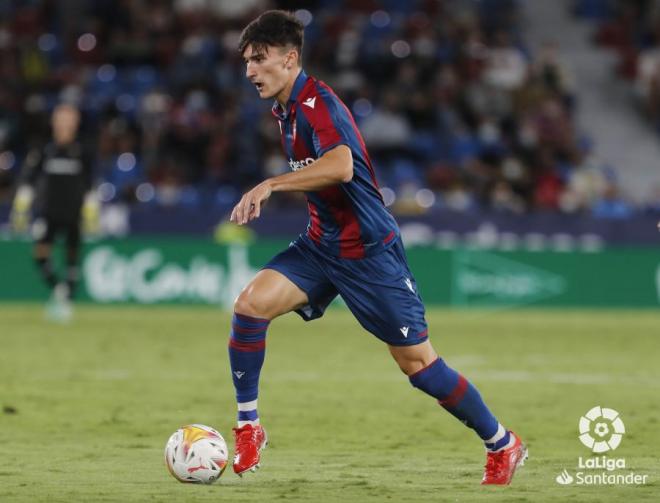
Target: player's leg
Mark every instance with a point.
(73, 242)
(44, 234)
(429, 373)
(382, 294)
(290, 281)
(267, 296)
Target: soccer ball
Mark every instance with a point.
(197, 454)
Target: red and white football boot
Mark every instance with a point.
(501, 465)
(249, 441)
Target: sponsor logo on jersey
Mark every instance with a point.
(296, 165)
(61, 166)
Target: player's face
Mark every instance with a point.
(270, 70)
(65, 124)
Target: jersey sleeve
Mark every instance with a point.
(329, 126)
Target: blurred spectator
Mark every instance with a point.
(506, 66)
(611, 205)
(387, 129)
(647, 83)
(632, 29)
(653, 205)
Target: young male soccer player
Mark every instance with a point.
(351, 248)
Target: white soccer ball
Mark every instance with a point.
(196, 453)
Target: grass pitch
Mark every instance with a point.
(87, 407)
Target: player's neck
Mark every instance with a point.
(284, 95)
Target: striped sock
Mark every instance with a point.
(457, 396)
(247, 349)
(247, 413)
(501, 440)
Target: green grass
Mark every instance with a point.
(96, 400)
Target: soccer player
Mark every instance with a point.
(61, 175)
(351, 248)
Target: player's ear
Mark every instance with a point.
(291, 59)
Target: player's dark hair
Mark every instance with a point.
(275, 28)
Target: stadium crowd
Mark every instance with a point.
(632, 29)
(456, 111)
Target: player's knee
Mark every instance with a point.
(72, 254)
(248, 304)
(410, 367)
(412, 359)
(402, 367)
(41, 251)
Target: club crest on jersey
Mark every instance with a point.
(296, 165)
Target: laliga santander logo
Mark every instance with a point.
(601, 429)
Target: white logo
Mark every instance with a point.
(409, 285)
(149, 276)
(239, 374)
(296, 165)
(61, 166)
(601, 429)
(564, 478)
(404, 331)
(310, 102)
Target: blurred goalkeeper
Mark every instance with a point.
(56, 184)
(352, 248)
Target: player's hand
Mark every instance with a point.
(249, 207)
(91, 214)
(20, 211)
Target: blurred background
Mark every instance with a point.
(516, 141)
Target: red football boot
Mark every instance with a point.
(250, 440)
(501, 465)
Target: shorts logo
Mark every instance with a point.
(409, 285)
(296, 165)
(601, 429)
(404, 331)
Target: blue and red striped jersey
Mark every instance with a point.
(348, 220)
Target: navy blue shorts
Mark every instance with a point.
(380, 290)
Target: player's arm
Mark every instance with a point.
(332, 168)
(20, 211)
(91, 209)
